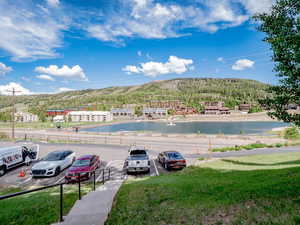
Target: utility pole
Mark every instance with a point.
(13, 91)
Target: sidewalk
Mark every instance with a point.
(94, 207)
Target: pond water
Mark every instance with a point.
(192, 127)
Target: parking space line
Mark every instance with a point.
(113, 161)
(156, 170)
(25, 181)
(59, 180)
(100, 176)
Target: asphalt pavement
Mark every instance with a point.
(114, 156)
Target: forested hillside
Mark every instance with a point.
(191, 91)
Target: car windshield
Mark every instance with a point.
(54, 156)
(175, 155)
(82, 162)
(138, 153)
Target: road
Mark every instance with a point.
(110, 156)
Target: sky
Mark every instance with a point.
(51, 46)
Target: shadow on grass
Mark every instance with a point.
(261, 164)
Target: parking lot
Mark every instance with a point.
(110, 156)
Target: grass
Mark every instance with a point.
(44, 125)
(38, 208)
(249, 147)
(247, 190)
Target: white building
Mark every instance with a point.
(59, 119)
(90, 116)
(26, 117)
(155, 112)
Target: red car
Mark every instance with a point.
(85, 166)
(171, 160)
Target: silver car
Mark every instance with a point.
(53, 164)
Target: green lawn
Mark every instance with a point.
(247, 190)
(37, 208)
(44, 125)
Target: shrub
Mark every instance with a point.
(291, 133)
(278, 145)
(3, 136)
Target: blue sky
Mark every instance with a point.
(49, 46)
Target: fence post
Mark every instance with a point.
(109, 173)
(61, 219)
(94, 180)
(103, 181)
(79, 190)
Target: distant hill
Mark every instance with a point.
(189, 90)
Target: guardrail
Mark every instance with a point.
(79, 182)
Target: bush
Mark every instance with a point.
(291, 133)
(279, 145)
(3, 136)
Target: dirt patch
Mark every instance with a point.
(227, 216)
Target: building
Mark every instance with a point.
(215, 108)
(90, 116)
(26, 117)
(155, 112)
(168, 104)
(56, 112)
(176, 106)
(122, 113)
(245, 107)
(59, 119)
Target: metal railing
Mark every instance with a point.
(61, 189)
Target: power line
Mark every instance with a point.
(13, 91)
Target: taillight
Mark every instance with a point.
(183, 161)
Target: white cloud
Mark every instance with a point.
(254, 6)
(64, 89)
(139, 53)
(4, 69)
(153, 69)
(25, 78)
(20, 90)
(243, 64)
(220, 59)
(158, 20)
(73, 73)
(34, 30)
(31, 30)
(45, 77)
(53, 3)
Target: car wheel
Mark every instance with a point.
(27, 161)
(2, 170)
(57, 171)
(166, 166)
